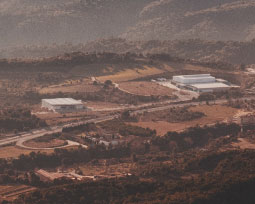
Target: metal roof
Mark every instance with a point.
(210, 85)
(63, 101)
(195, 76)
(194, 79)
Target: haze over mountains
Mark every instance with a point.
(78, 21)
(43, 28)
(26, 22)
(204, 19)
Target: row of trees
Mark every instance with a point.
(126, 130)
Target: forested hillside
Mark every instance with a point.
(40, 22)
(205, 19)
(26, 22)
(200, 50)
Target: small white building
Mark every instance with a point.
(63, 105)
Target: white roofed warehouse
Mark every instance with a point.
(193, 79)
(201, 83)
(63, 105)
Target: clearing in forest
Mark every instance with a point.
(213, 114)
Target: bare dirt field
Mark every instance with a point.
(13, 152)
(214, 113)
(130, 74)
(102, 105)
(51, 144)
(11, 192)
(145, 88)
(71, 86)
(173, 66)
(243, 144)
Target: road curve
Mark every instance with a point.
(20, 139)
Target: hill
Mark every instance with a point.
(204, 19)
(26, 22)
(40, 22)
(200, 50)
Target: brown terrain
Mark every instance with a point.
(49, 144)
(214, 113)
(145, 88)
(14, 152)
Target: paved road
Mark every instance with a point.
(22, 137)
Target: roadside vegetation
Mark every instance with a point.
(19, 119)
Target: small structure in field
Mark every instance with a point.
(51, 176)
(201, 83)
(63, 105)
(248, 119)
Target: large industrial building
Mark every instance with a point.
(201, 83)
(63, 105)
(193, 79)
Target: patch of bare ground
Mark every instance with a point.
(145, 88)
(71, 86)
(243, 143)
(50, 144)
(101, 105)
(14, 152)
(213, 114)
(131, 74)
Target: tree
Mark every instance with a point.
(242, 66)
(108, 82)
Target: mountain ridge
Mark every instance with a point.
(38, 22)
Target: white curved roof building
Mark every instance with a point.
(62, 104)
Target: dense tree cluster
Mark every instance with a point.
(195, 136)
(173, 115)
(126, 130)
(19, 119)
